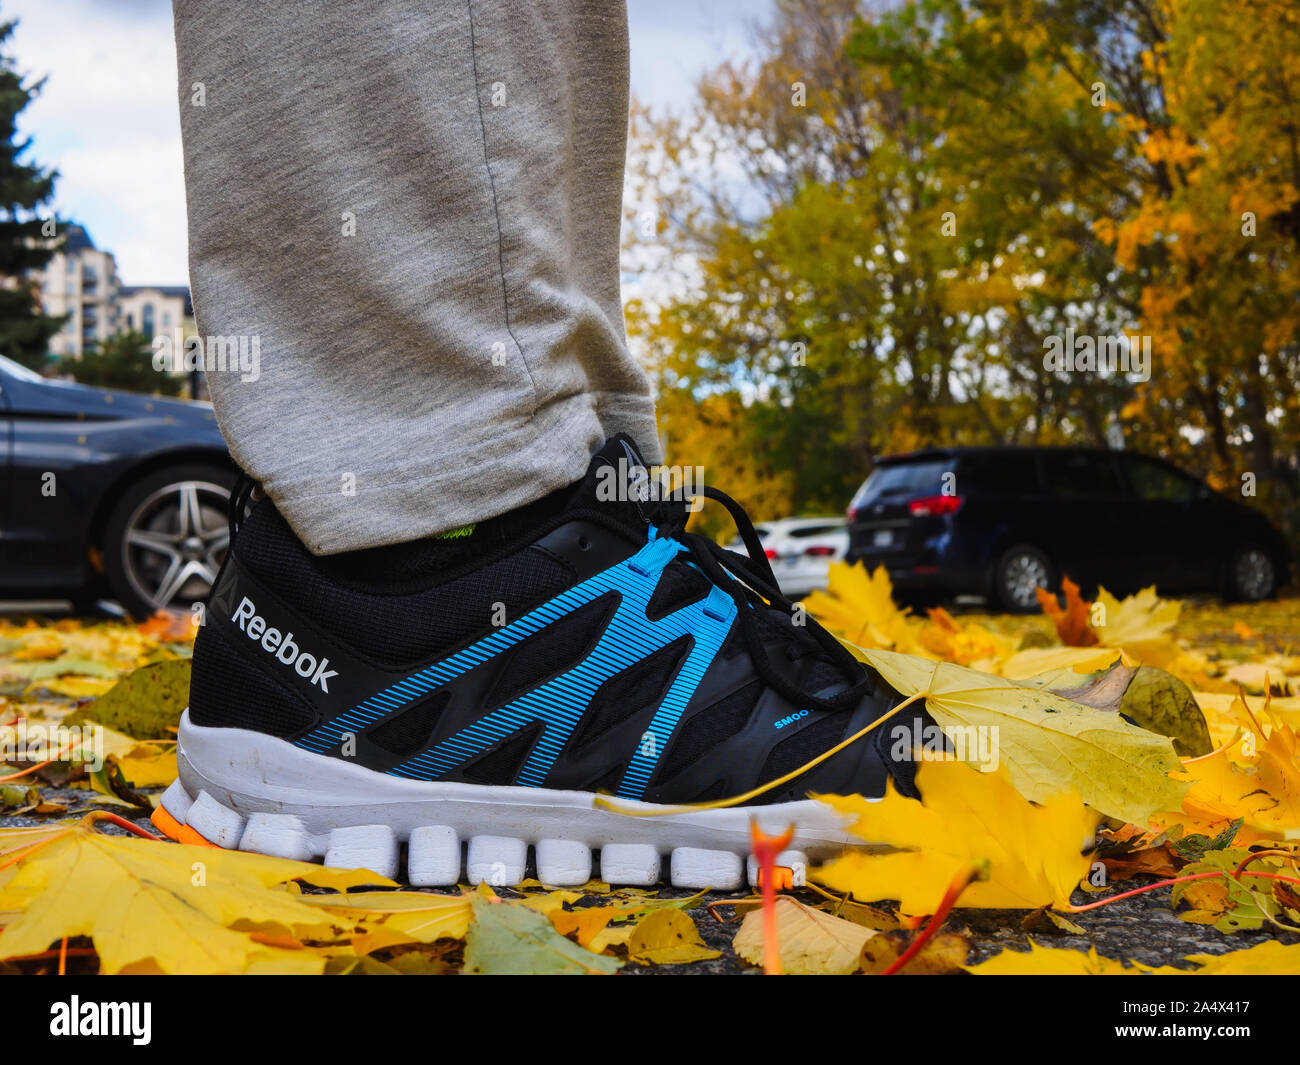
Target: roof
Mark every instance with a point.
(76, 239)
(177, 291)
(922, 454)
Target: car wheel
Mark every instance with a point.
(1022, 570)
(1251, 575)
(167, 536)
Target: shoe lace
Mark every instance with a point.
(752, 586)
(240, 496)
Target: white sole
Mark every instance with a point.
(246, 790)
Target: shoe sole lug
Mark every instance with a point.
(372, 847)
(434, 853)
(568, 839)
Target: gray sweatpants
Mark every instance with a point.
(411, 210)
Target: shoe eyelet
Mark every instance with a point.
(584, 544)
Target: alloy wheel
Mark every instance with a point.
(175, 542)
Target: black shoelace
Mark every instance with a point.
(240, 496)
(752, 586)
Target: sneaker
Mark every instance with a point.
(526, 685)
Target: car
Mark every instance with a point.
(801, 551)
(109, 494)
(1001, 522)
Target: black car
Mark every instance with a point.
(108, 494)
(1001, 522)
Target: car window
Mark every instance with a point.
(997, 475)
(1079, 473)
(902, 481)
(1156, 482)
(816, 530)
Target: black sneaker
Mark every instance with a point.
(486, 688)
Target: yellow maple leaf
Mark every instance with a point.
(1269, 958)
(966, 643)
(1048, 744)
(1278, 769)
(1034, 854)
(1256, 780)
(1067, 663)
(585, 923)
(163, 903)
(860, 607)
(418, 917)
(811, 943)
(145, 764)
(1135, 621)
(1056, 961)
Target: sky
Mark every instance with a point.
(107, 117)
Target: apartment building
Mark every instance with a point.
(80, 281)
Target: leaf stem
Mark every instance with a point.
(1175, 880)
(121, 822)
(959, 884)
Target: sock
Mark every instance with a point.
(396, 565)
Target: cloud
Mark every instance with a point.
(108, 120)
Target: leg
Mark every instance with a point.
(415, 206)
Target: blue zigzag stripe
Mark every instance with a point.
(560, 703)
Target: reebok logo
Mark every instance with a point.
(286, 652)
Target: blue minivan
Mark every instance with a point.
(1003, 521)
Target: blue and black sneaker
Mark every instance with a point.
(524, 686)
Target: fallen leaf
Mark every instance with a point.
(415, 915)
(1159, 701)
(1043, 961)
(1050, 667)
(811, 942)
(1072, 622)
(1230, 905)
(944, 953)
(1034, 853)
(1049, 745)
(667, 937)
(146, 704)
(141, 900)
(1136, 620)
(585, 923)
(1264, 959)
(506, 940)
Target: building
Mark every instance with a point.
(155, 309)
(80, 281)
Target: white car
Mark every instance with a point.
(801, 551)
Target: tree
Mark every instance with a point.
(25, 242)
(885, 218)
(124, 361)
